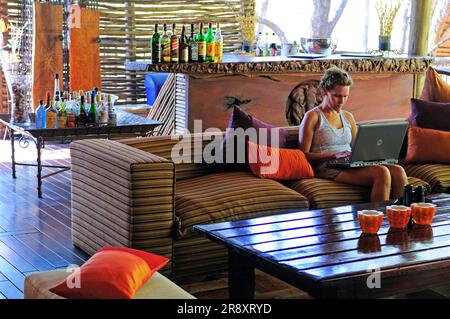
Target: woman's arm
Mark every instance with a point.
(306, 133)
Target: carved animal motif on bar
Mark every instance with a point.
(302, 98)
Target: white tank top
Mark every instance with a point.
(328, 138)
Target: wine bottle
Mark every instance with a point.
(56, 86)
(165, 44)
(174, 46)
(193, 46)
(184, 48)
(156, 46)
(201, 44)
(210, 44)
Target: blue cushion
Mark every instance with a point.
(153, 83)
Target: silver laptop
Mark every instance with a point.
(376, 143)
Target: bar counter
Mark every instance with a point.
(279, 90)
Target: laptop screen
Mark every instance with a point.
(378, 141)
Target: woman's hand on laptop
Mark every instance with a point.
(343, 154)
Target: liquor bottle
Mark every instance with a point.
(156, 46)
(174, 46)
(201, 44)
(40, 115)
(165, 44)
(57, 102)
(184, 48)
(210, 44)
(56, 86)
(266, 45)
(218, 45)
(273, 46)
(259, 45)
(193, 46)
(112, 116)
(92, 113)
(82, 116)
(62, 114)
(51, 116)
(102, 110)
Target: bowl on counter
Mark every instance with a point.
(318, 45)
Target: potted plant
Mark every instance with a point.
(387, 11)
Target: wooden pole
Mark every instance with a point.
(419, 31)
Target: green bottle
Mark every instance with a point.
(201, 44)
(210, 44)
(92, 113)
(193, 46)
(156, 46)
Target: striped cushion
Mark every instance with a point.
(325, 193)
(230, 196)
(437, 175)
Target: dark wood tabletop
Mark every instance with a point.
(324, 253)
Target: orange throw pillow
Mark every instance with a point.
(155, 262)
(278, 163)
(435, 88)
(427, 146)
(108, 274)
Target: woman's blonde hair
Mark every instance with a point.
(334, 77)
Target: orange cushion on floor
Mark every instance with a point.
(278, 163)
(435, 88)
(427, 146)
(109, 274)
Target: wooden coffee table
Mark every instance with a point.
(324, 253)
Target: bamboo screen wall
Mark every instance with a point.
(126, 28)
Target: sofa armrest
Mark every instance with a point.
(121, 196)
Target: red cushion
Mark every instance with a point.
(109, 274)
(278, 163)
(427, 146)
(155, 262)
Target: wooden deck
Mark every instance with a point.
(35, 233)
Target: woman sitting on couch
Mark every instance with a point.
(327, 132)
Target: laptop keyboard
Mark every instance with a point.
(344, 160)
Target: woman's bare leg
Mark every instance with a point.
(398, 180)
(378, 177)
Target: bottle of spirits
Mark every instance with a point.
(193, 46)
(273, 46)
(82, 116)
(210, 44)
(184, 47)
(92, 113)
(57, 102)
(218, 45)
(56, 86)
(201, 44)
(51, 116)
(112, 116)
(156, 46)
(102, 110)
(259, 45)
(266, 45)
(174, 46)
(165, 43)
(62, 114)
(40, 115)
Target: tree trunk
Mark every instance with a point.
(406, 19)
(263, 14)
(366, 27)
(321, 26)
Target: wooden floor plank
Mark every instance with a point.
(15, 259)
(37, 261)
(10, 291)
(42, 250)
(11, 273)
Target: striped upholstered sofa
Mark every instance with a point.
(131, 193)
